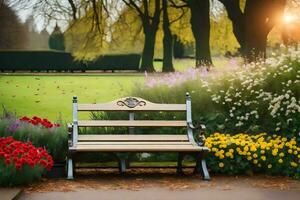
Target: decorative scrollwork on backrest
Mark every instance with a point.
(131, 102)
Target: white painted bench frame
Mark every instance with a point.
(125, 106)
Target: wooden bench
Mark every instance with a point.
(132, 143)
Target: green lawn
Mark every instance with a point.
(51, 96)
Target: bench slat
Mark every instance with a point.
(114, 138)
(134, 143)
(133, 123)
(149, 107)
(139, 148)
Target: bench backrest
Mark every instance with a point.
(132, 105)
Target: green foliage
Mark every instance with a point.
(115, 62)
(57, 40)
(10, 176)
(62, 61)
(55, 140)
(13, 60)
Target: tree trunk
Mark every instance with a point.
(256, 30)
(252, 27)
(148, 51)
(200, 23)
(237, 18)
(167, 41)
(150, 27)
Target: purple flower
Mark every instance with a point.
(13, 127)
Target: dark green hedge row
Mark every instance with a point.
(115, 62)
(15, 60)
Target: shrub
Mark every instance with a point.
(37, 60)
(57, 40)
(53, 139)
(261, 97)
(260, 153)
(21, 163)
(115, 62)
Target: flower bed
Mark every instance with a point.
(21, 163)
(41, 132)
(260, 153)
(36, 121)
(255, 98)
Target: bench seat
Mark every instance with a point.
(123, 147)
(136, 143)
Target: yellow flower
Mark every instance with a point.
(262, 151)
(221, 156)
(295, 152)
(231, 150)
(221, 164)
(281, 154)
(263, 158)
(280, 161)
(255, 155)
(259, 165)
(228, 154)
(269, 166)
(246, 148)
(214, 149)
(299, 156)
(290, 151)
(253, 148)
(249, 158)
(255, 161)
(275, 152)
(293, 164)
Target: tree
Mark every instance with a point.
(12, 32)
(150, 26)
(56, 39)
(167, 40)
(252, 25)
(200, 24)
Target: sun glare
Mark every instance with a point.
(288, 18)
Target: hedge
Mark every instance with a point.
(15, 60)
(45, 60)
(115, 62)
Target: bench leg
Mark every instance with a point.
(202, 167)
(70, 169)
(204, 170)
(179, 163)
(122, 166)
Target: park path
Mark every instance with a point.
(166, 194)
(150, 184)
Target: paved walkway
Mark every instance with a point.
(9, 193)
(162, 184)
(166, 194)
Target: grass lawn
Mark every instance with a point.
(50, 96)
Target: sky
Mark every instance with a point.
(40, 22)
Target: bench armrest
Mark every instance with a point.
(200, 135)
(70, 134)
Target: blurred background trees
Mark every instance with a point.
(155, 28)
